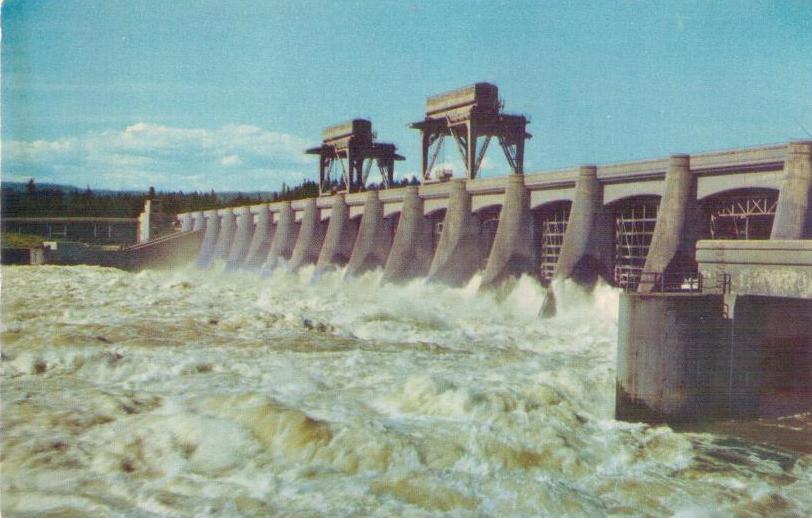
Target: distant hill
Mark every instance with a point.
(22, 187)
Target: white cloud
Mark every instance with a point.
(231, 160)
(233, 157)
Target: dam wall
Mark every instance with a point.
(620, 222)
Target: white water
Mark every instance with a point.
(201, 393)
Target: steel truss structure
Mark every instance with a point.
(742, 216)
(634, 228)
(552, 226)
(349, 151)
(468, 116)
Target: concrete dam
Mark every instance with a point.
(713, 250)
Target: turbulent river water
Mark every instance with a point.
(205, 393)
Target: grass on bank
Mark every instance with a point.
(17, 240)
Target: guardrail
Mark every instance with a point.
(681, 282)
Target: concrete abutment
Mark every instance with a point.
(284, 239)
(457, 257)
(228, 227)
(310, 238)
(793, 215)
(339, 239)
(678, 221)
(411, 252)
(211, 222)
(587, 248)
(242, 238)
(261, 239)
(374, 238)
(511, 254)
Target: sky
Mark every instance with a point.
(226, 95)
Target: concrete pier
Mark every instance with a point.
(672, 361)
(586, 250)
(186, 222)
(793, 215)
(261, 240)
(676, 231)
(697, 357)
(511, 254)
(340, 237)
(457, 257)
(310, 238)
(228, 227)
(374, 238)
(242, 238)
(212, 225)
(411, 252)
(198, 220)
(284, 239)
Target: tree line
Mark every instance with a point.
(35, 201)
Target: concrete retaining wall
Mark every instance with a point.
(687, 358)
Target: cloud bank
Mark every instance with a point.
(235, 157)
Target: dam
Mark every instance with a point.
(704, 246)
(293, 358)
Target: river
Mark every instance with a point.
(206, 393)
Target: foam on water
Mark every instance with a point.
(198, 392)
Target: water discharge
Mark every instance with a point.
(197, 392)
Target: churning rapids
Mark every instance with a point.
(204, 393)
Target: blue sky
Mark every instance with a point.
(227, 94)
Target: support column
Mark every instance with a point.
(340, 237)
(457, 257)
(374, 238)
(198, 220)
(212, 225)
(676, 232)
(228, 227)
(586, 250)
(242, 238)
(185, 222)
(411, 252)
(284, 239)
(512, 253)
(310, 238)
(261, 240)
(793, 215)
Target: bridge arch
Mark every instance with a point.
(549, 224)
(746, 213)
(633, 221)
